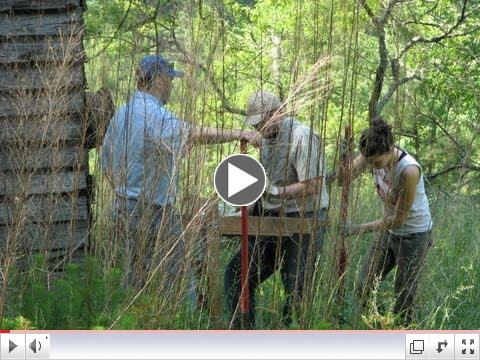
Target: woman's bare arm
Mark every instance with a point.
(408, 186)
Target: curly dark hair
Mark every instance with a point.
(377, 139)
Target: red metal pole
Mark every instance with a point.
(245, 290)
(345, 183)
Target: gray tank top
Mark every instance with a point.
(419, 219)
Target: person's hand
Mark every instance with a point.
(252, 137)
(272, 190)
(238, 213)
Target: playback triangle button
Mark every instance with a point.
(239, 180)
(12, 346)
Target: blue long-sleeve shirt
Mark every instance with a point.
(142, 148)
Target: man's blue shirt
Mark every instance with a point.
(142, 149)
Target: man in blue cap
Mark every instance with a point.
(141, 154)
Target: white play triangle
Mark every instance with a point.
(238, 180)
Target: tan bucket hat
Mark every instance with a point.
(259, 104)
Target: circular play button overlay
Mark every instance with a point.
(239, 180)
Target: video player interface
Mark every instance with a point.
(226, 345)
(239, 179)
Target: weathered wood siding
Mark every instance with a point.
(44, 204)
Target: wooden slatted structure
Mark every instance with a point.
(44, 202)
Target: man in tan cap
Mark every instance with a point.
(295, 167)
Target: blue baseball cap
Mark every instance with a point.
(152, 65)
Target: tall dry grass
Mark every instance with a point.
(43, 151)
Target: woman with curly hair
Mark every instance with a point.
(406, 228)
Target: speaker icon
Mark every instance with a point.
(35, 346)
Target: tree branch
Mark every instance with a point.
(391, 90)
(420, 39)
(367, 8)
(227, 106)
(423, 23)
(388, 11)
(117, 30)
(467, 167)
(379, 23)
(377, 101)
(439, 124)
(379, 73)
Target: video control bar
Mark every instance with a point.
(278, 345)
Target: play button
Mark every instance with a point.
(239, 180)
(11, 346)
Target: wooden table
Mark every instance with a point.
(270, 226)
(232, 226)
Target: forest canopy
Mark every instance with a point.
(415, 62)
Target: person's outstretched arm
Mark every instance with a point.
(207, 135)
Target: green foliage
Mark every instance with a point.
(80, 298)
(17, 323)
(87, 297)
(435, 118)
(234, 40)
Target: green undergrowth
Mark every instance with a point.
(91, 295)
